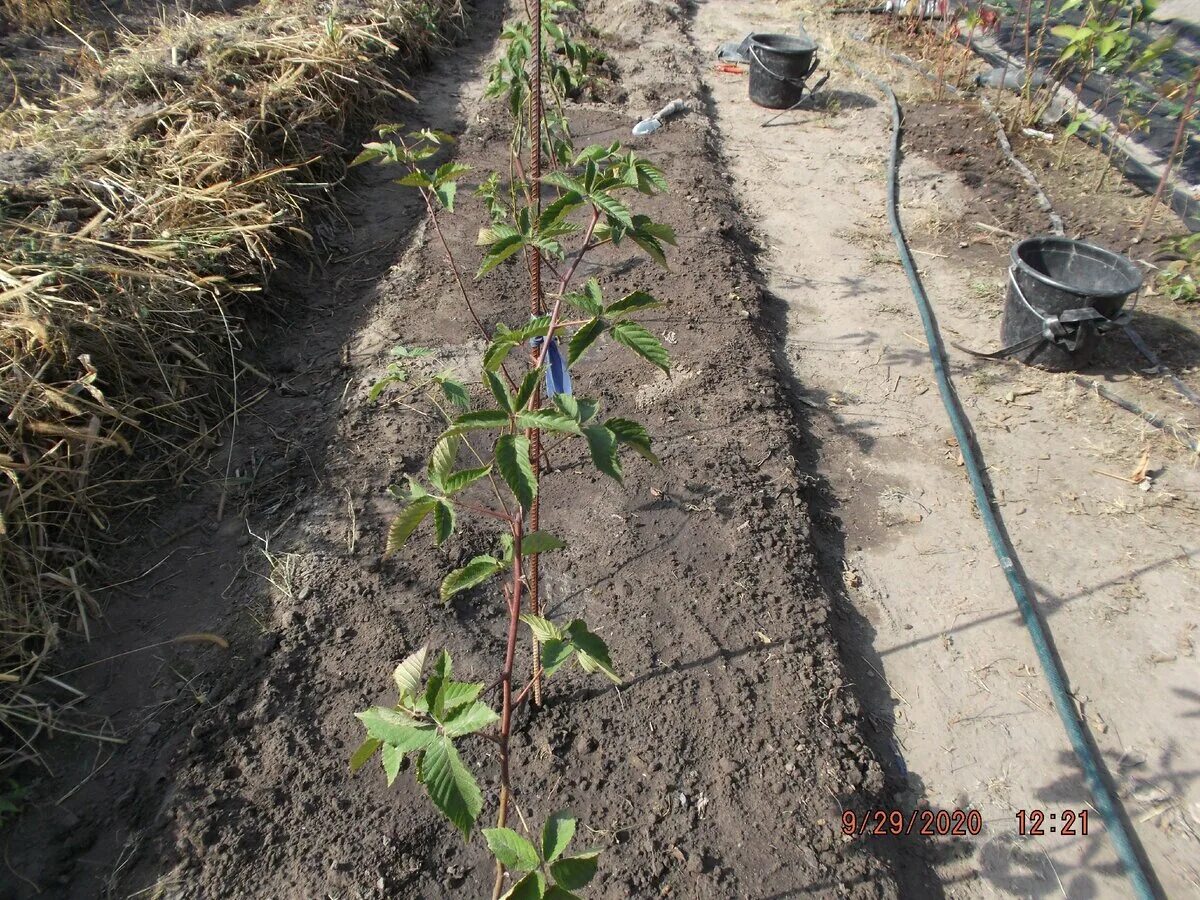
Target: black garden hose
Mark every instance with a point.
(1124, 841)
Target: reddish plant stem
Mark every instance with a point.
(506, 707)
(1180, 131)
(566, 279)
(565, 282)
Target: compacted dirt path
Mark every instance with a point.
(959, 707)
(720, 767)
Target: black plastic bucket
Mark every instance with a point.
(1069, 293)
(779, 64)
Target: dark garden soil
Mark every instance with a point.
(718, 769)
(962, 139)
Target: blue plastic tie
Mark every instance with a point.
(558, 379)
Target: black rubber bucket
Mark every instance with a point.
(779, 64)
(1067, 292)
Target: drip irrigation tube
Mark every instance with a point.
(1152, 358)
(1149, 417)
(1121, 834)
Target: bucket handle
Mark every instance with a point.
(795, 82)
(1064, 329)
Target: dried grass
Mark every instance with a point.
(35, 15)
(163, 184)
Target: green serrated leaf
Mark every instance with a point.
(559, 209)
(657, 230)
(593, 652)
(499, 390)
(454, 391)
(649, 174)
(369, 154)
(540, 542)
(439, 681)
(406, 523)
(603, 446)
(584, 303)
(361, 756)
(642, 342)
(407, 675)
(512, 459)
(497, 352)
(396, 728)
(451, 787)
(402, 352)
(468, 719)
(555, 653)
(512, 850)
(531, 887)
(543, 629)
(450, 172)
(583, 339)
(383, 384)
(568, 405)
(591, 153)
(393, 760)
(444, 456)
(594, 293)
(481, 420)
(574, 872)
(446, 194)
(460, 693)
(417, 179)
(564, 181)
(547, 420)
(650, 236)
(584, 407)
(635, 302)
(633, 435)
(477, 571)
(443, 522)
(458, 481)
(556, 835)
(528, 386)
(612, 207)
(498, 253)
(535, 327)
(496, 233)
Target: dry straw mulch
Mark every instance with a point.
(136, 214)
